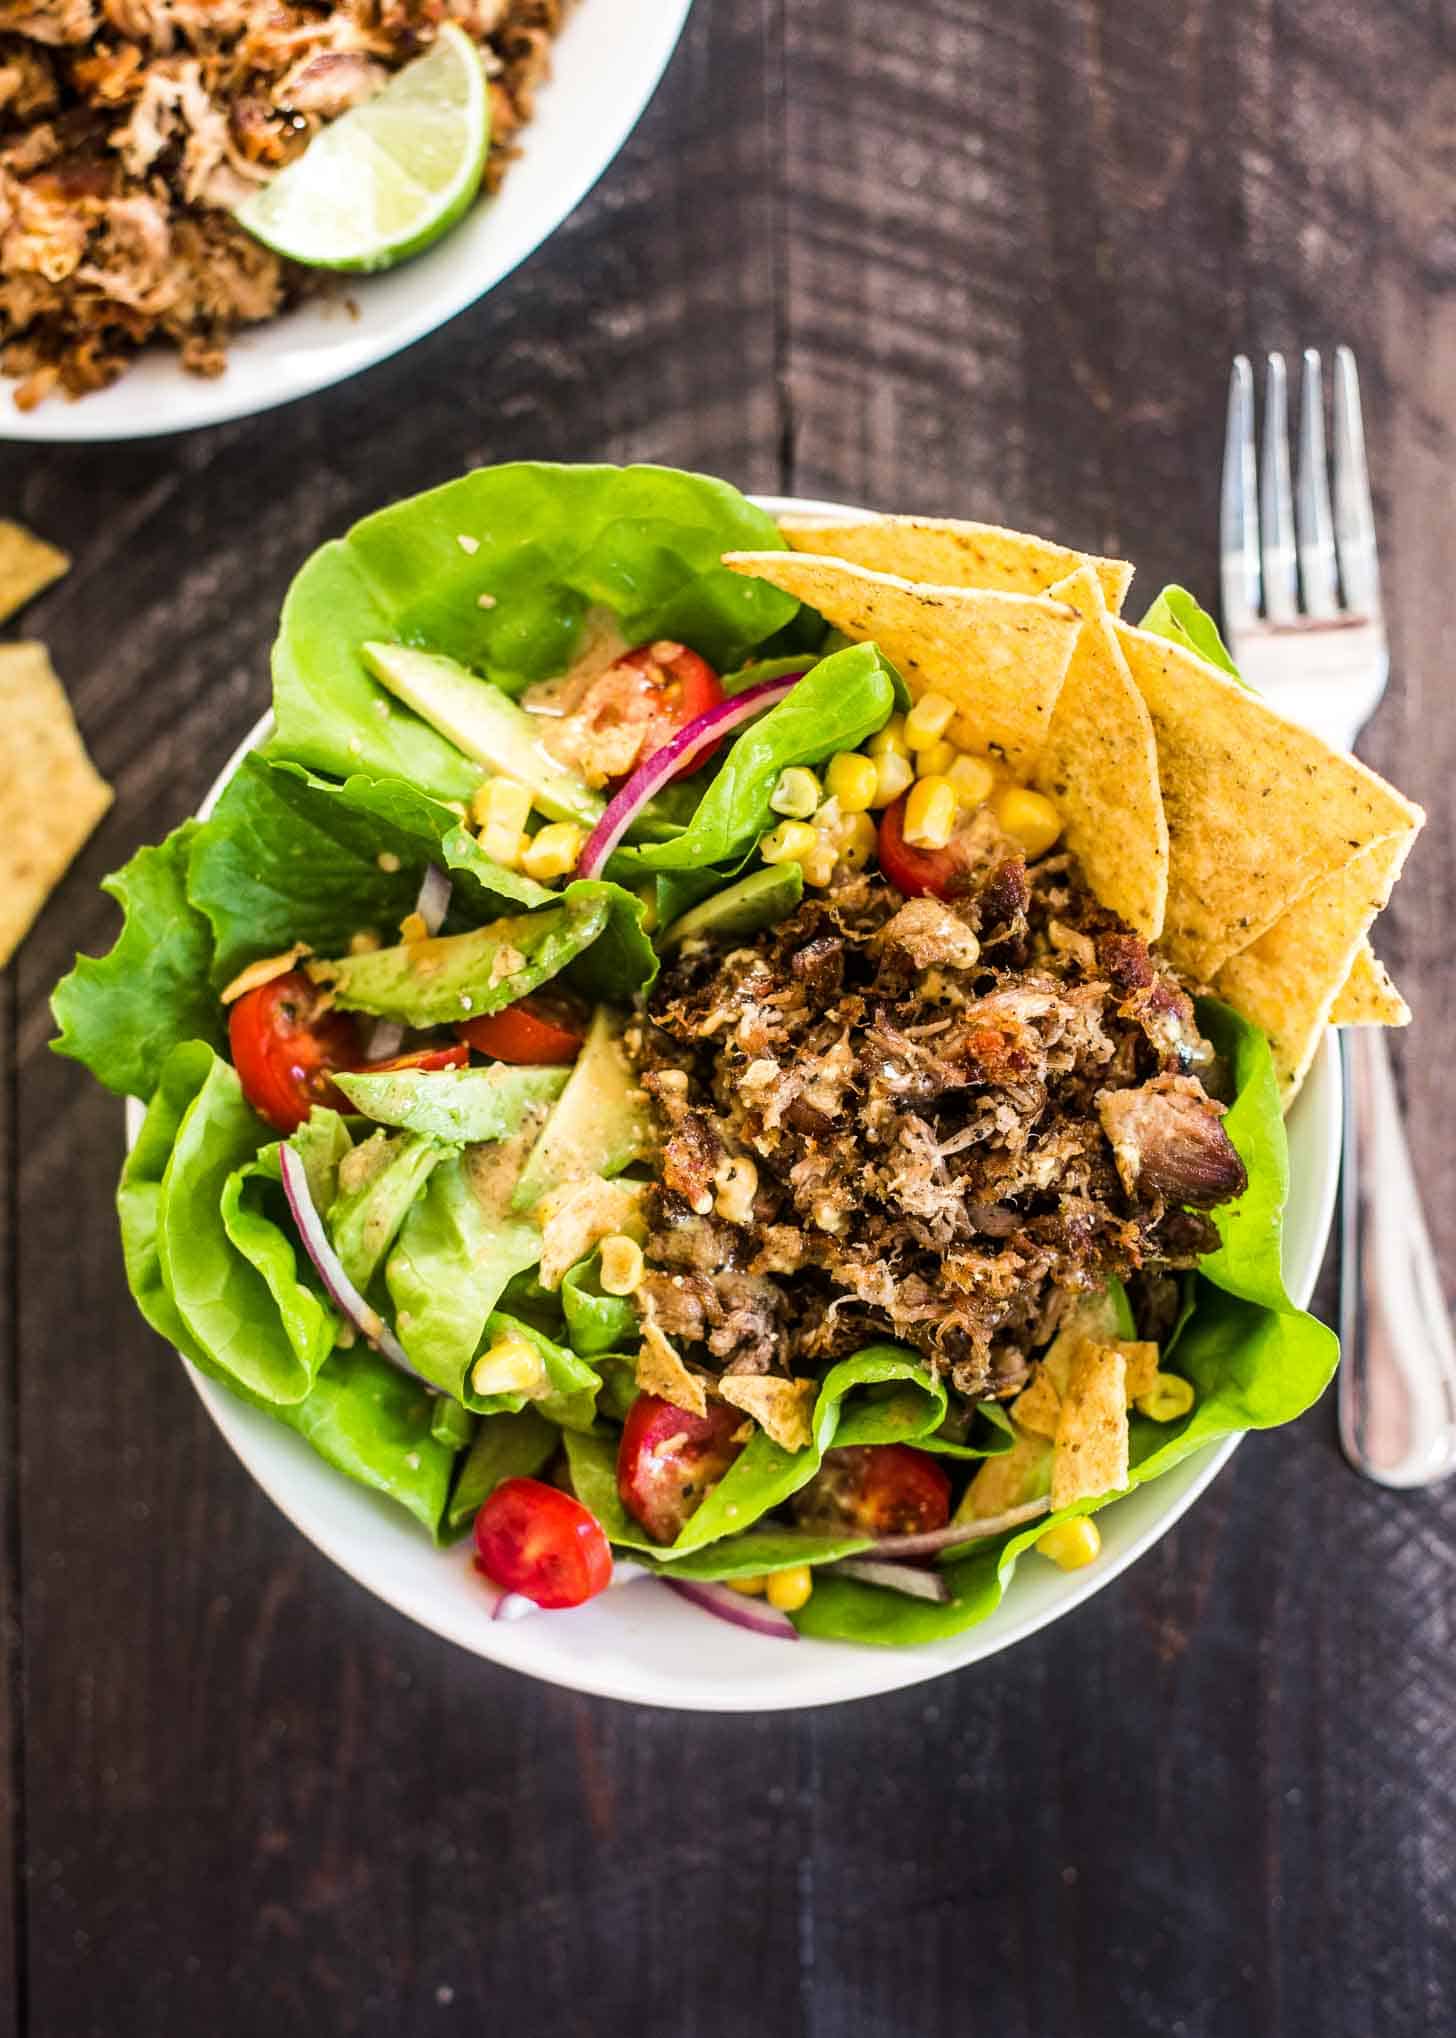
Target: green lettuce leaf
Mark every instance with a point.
(254, 1214)
(844, 699)
(544, 544)
(366, 1219)
(595, 1322)
(575, 1385)
(1254, 1359)
(123, 1013)
(375, 1425)
(506, 1446)
(1177, 616)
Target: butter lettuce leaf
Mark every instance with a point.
(543, 544)
(1177, 616)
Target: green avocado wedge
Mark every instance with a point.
(460, 976)
(600, 1123)
(461, 1106)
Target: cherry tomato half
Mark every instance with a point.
(532, 1031)
(532, 1539)
(454, 1056)
(876, 1490)
(679, 689)
(915, 871)
(669, 1458)
(286, 1044)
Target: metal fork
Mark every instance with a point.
(1323, 660)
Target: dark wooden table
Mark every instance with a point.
(940, 255)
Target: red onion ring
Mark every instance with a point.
(341, 1290)
(935, 1540)
(911, 1579)
(736, 1608)
(433, 902)
(654, 772)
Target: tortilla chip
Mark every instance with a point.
(1368, 997)
(1288, 980)
(1000, 657)
(1100, 767)
(50, 792)
(1089, 1456)
(946, 552)
(1038, 1406)
(782, 1407)
(1258, 808)
(1141, 1361)
(1008, 1480)
(27, 564)
(660, 1370)
(579, 1216)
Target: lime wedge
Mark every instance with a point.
(387, 178)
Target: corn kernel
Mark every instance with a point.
(857, 840)
(936, 761)
(364, 942)
(1027, 817)
(1071, 1544)
(930, 813)
(893, 772)
(790, 842)
(1169, 1397)
(889, 741)
(851, 780)
(553, 850)
(619, 1268)
(820, 864)
(973, 779)
(502, 800)
(736, 1181)
(928, 720)
(752, 1588)
(502, 844)
(788, 1590)
(797, 793)
(511, 1366)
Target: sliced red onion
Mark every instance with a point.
(935, 1540)
(384, 1041)
(433, 902)
(341, 1289)
(911, 1579)
(654, 772)
(736, 1608)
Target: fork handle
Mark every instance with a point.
(1397, 1382)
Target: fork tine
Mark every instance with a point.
(1312, 502)
(1276, 500)
(1239, 512)
(1354, 517)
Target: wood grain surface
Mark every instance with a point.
(946, 256)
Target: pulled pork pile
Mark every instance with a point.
(129, 128)
(957, 1118)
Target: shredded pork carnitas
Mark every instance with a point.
(129, 128)
(961, 1117)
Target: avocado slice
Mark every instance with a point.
(461, 976)
(759, 900)
(600, 1123)
(486, 724)
(462, 1105)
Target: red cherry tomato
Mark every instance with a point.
(285, 1045)
(532, 1539)
(680, 688)
(669, 1458)
(877, 1490)
(531, 1031)
(455, 1056)
(915, 871)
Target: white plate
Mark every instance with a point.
(641, 1642)
(606, 62)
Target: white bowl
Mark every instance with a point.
(606, 62)
(642, 1643)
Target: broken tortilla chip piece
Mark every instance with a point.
(27, 565)
(1141, 1361)
(1000, 657)
(1008, 1480)
(947, 552)
(1038, 1405)
(660, 1369)
(1288, 980)
(1258, 808)
(1368, 997)
(50, 792)
(1100, 768)
(781, 1407)
(579, 1216)
(1089, 1456)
